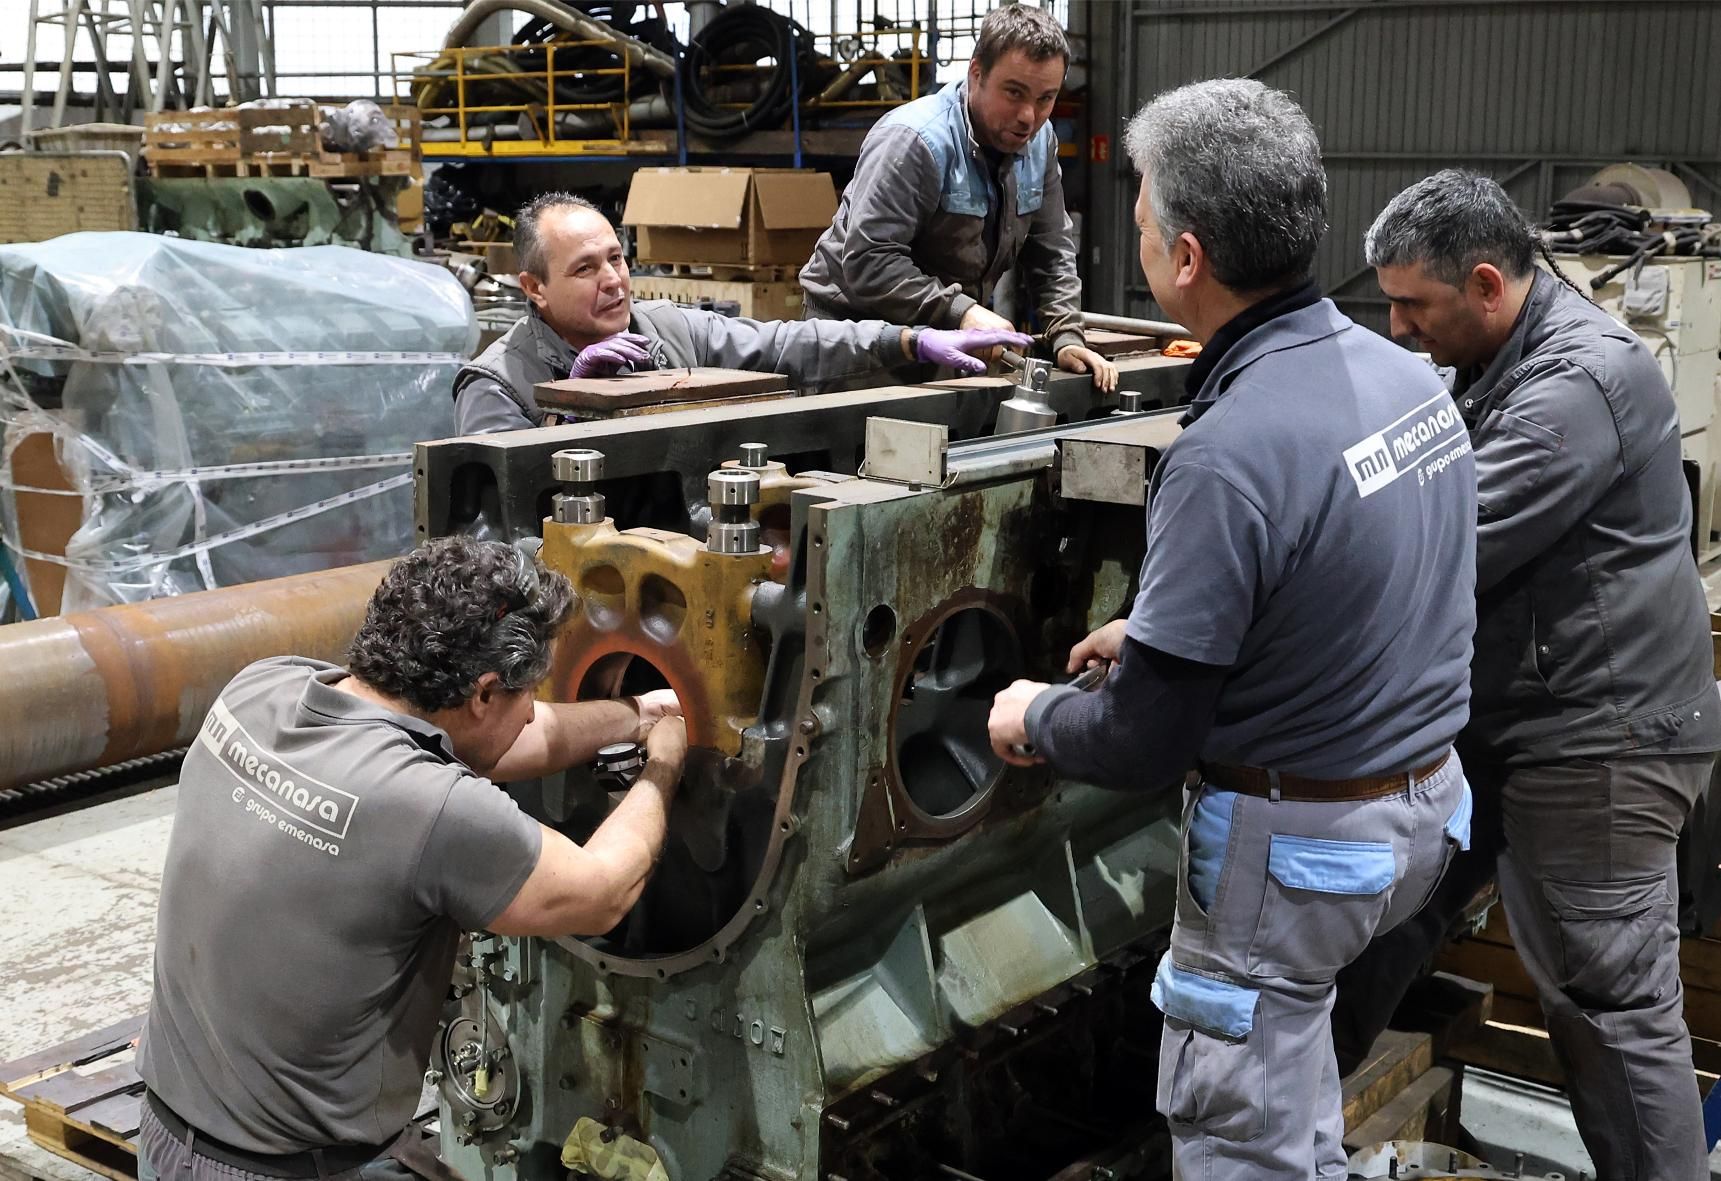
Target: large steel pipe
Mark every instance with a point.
(98, 687)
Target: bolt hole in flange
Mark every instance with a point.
(878, 630)
(943, 756)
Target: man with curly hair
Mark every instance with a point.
(337, 829)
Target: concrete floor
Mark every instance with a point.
(79, 928)
(79, 924)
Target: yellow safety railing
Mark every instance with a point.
(442, 81)
(459, 69)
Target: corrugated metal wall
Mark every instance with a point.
(1535, 92)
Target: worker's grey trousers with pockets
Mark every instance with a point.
(1588, 879)
(1274, 897)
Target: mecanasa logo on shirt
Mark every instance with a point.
(274, 782)
(1409, 445)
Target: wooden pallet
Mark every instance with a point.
(82, 1099)
(782, 300)
(730, 272)
(1407, 1088)
(278, 141)
(231, 141)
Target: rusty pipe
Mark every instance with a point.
(97, 687)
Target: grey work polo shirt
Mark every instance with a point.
(1313, 530)
(326, 853)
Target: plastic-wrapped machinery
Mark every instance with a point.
(226, 414)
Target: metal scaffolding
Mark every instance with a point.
(171, 53)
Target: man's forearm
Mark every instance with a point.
(630, 840)
(1142, 729)
(564, 733)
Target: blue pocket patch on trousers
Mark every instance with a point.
(1332, 867)
(1458, 824)
(1217, 1006)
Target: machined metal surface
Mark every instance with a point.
(99, 687)
(502, 485)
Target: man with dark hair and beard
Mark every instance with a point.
(336, 830)
(1594, 717)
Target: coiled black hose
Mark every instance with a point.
(1592, 227)
(742, 36)
(574, 86)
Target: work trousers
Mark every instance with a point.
(162, 1156)
(1586, 854)
(1274, 897)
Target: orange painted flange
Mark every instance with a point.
(664, 598)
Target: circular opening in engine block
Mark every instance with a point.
(944, 758)
(718, 831)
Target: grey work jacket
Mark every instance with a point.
(1592, 635)
(493, 391)
(909, 241)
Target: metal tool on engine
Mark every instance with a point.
(618, 765)
(1026, 409)
(1086, 679)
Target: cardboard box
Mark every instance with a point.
(740, 216)
(758, 301)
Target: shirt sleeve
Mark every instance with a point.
(808, 352)
(1543, 460)
(1048, 261)
(480, 851)
(1141, 729)
(894, 193)
(482, 408)
(1212, 560)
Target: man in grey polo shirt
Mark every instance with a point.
(584, 322)
(1302, 631)
(336, 831)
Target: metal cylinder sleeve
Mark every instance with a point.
(580, 469)
(732, 492)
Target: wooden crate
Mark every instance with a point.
(272, 141)
(768, 300)
(1515, 1041)
(1399, 1093)
(731, 272)
(46, 194)
(404, 160)
(82, 1099)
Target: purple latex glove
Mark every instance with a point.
(609, 356)
(954, 347)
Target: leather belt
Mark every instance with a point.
(1257, 781)
(315, 1162)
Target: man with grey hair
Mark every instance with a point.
(956, 189)
(337, 829)
(1594, 716)
(1301, 634)
(583, 322)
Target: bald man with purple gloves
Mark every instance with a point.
(583, 322)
